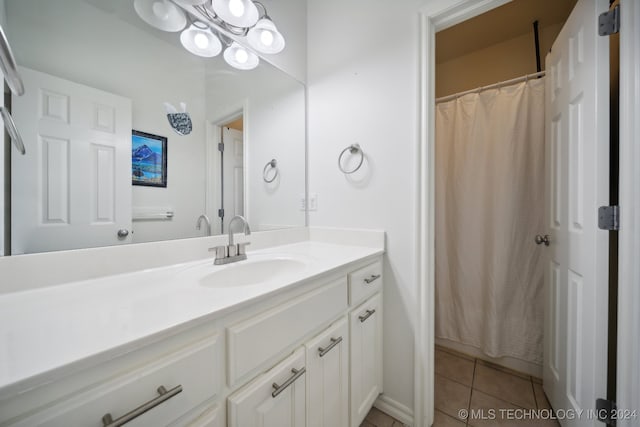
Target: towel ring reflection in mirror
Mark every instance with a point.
(353, 149)
(272, 165)
(9, 67)
(10, 126)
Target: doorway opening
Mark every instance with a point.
(494, 334)
(231, 149)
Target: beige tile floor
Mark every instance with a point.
(496, 395)
(377, 418)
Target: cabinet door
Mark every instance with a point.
(328, 377)
(366, 357)
(274, 399)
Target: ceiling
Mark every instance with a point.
(503, 23)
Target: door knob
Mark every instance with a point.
(122, 233)
(540, 239)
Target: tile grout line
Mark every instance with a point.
(473, 379)
(535, 398)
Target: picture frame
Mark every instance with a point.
(148, 159)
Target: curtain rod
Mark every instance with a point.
(492, 86)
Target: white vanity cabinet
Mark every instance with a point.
(168, 385)
(328, 377)
(309, 355)
(211, 416)
(274, 399)
(365, 324)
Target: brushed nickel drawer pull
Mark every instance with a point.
(108, 421)
(297, 373)
(334, 342)
(366, 315)
(371, 278)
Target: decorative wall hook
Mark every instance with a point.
(179, 121)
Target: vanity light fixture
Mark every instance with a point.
(243, 26)
(161, 14)
(265, 37)
(199, 40)
(240, 57)
(237, 13)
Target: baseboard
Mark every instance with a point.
(395, 409)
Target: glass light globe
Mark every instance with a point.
(236, 8)
(266, 37)
(201, 41)
(160, 10)
(237, 13)
(241, 56)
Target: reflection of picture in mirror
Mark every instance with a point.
(148, 159)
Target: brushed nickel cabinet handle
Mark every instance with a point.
(371, 278)
(334, 342)
(366, 315)
(108, 421)
(297, 373)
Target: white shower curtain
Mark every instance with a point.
(489, 207)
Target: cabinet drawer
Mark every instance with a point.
(365, 282)
(275, 398)
(260, 338)
(194, 368)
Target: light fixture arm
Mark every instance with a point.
(264, 13)
(211, 16)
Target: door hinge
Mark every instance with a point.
(606, 411)
(221, 147)
(609, 218)
(220, 213)
(609, 22)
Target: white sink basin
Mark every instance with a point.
(252, 272)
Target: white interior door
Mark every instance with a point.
(233, 174)
(577, 162)
(72, 189)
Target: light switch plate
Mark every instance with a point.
(313, 201)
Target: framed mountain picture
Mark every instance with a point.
(148, 159)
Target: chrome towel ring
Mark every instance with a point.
(271, 165)
(9, 67)
(353, 149)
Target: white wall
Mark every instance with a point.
(131, 62)
(362, 85)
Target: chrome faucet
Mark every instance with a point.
(232, 252)
(204, 218)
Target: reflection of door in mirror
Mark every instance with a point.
(72, 189)
(232, 171)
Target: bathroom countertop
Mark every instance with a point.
(45, 330)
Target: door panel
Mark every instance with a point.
(328, 377)
(233, 191)
(577, 162)
(72, 189)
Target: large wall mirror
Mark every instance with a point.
(94, 73)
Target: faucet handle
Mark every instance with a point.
(241, 248)
(232, 250)
(221, 251)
